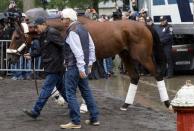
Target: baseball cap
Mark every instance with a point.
(40, 20)
(69, 13)
(148, 19)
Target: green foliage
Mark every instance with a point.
(79, 3)
(5, 3)
(61, 4)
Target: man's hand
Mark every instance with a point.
(82, 74)
(89, 69)
(27, 56)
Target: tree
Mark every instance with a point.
(28, 4)
(81, 4)
(5, 3)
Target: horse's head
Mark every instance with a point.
(20, 40)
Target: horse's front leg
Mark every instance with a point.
(151, 67)
(162, 89)
(130, 93)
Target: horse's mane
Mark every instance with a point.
(157, 47)
(57, 24)
(84, 19)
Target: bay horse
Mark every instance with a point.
(132, 40)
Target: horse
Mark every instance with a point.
(132, 40)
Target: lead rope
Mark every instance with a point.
(35, 80)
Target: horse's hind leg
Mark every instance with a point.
(129, 65)
(150, 66)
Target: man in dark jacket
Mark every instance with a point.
(165, 33)
(51, 52)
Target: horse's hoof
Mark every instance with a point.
(167, 103)
(124, 107)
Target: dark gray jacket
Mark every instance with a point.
(51, 51)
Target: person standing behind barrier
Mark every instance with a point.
(165, 33)
(107, 62)
(51, 51)
(143, 13)
(78, 42)
(12, 6)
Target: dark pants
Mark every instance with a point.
(170, 65)
(51, 80)
(72, 80)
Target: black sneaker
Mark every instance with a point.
(30, 114)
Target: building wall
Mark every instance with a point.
(109, 7)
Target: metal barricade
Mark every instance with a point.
(22, 65)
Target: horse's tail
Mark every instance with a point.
(158, 51)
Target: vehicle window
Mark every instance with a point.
(158, 2)
(172, 1)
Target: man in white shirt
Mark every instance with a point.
(79, 52)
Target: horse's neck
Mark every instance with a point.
(84, 20)
(57, 24)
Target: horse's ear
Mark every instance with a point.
(17, 27)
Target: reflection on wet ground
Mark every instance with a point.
(116, 87)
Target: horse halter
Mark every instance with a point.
(20, 48)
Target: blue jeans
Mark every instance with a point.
(107, 63)
(27, 65)
(21, 64)
(72, 80)
(51, 80)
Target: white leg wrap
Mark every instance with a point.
(83, 107)
(162, 91)
(131, 93)
(55, 92)
(59, 100)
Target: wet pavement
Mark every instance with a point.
(147, 113)
(147, 93)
